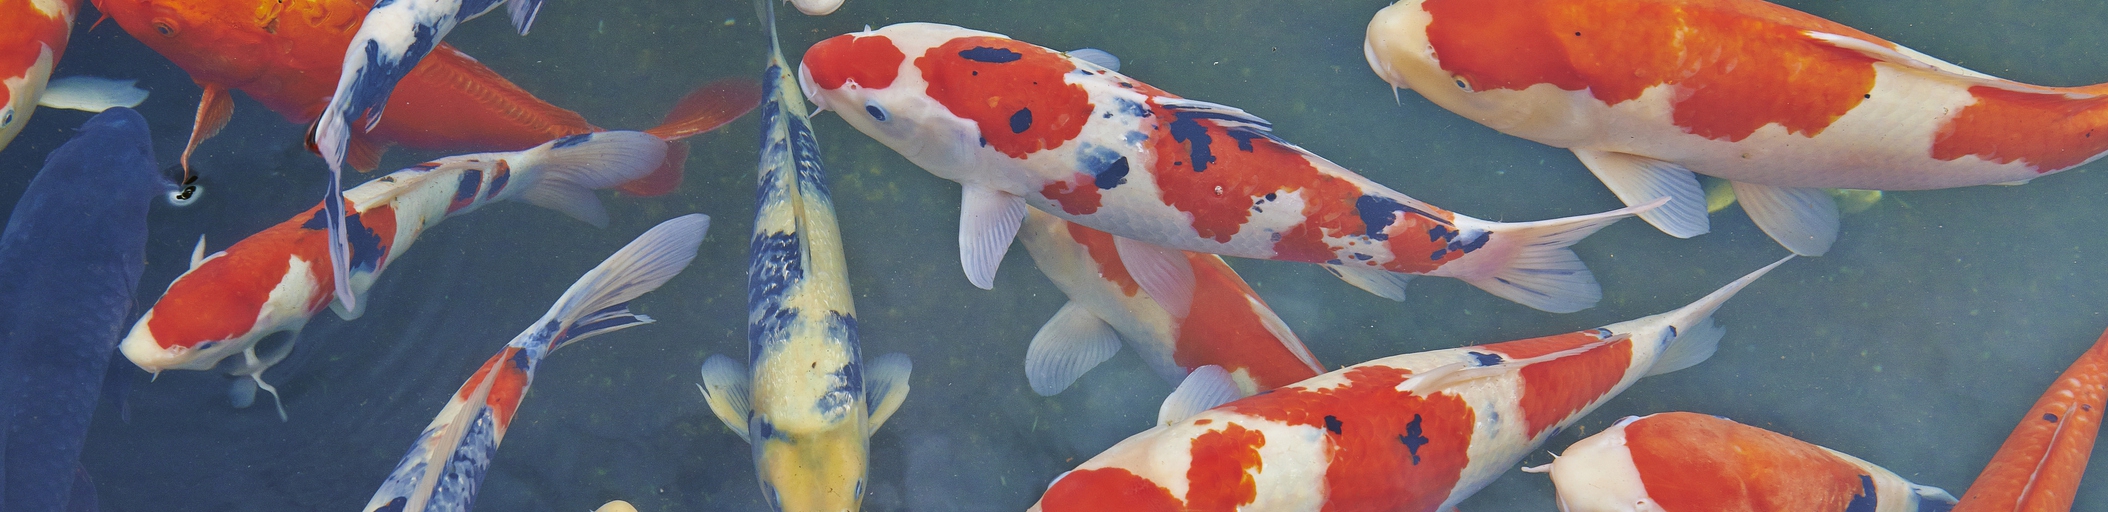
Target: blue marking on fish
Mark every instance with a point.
(366, 250)
(464, 472)
(1186, 127)
(70, 256)
(465, 191)
(571, 140)
(1867, 500)
(990, 55)
(805, 155)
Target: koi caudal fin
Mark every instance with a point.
(1529, 263)
(704, 109)
(598, 302)
(566, 171)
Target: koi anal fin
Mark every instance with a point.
(724, 388)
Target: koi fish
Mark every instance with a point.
(447, 463)
(1782, 103)
(2039, 466)
(817, 7)
(1683, 461)
(71, 254)
(809, 425)
(252, 299)
(1414, 432)
(392, 38)
(33, 37)
(1226, 323)
(1018, 124)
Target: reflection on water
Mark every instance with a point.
(1915, 344)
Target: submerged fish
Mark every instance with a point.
(1683, 461)
(2039, 466)
(1782, 103)
(1019, 124)
(33, 37)
(392, 38)
(809, 404)
(69, 259)
(1221, 321)
(1414, 432)
(817, 7)
(267, 286)
(447, 463)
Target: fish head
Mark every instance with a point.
(822, 470)
(262, 289)
(216, 41)
(1400, 48)
(954, 100)
(19, 98)
(41, 26)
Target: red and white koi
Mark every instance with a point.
(33, 37)
(447, 463)
(1224, 324)
(1413, 432)
(2039, 466)
(1019, 124)
(274, 281)
(1680, 461)
(1782, 103)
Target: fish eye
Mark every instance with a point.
(1462, 83)
(165, 27)
(7, 116)
(877, 112)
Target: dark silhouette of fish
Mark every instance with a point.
(70, 256)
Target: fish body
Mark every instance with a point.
(446, 464)
(1226, 323)
(32, 39)
(392, 39)
(1783, 103)
(1019, 124)
(1682, 461)
(2039, 466)
(806, 402)
(272, 282)
(817, 7)
(1413, 432)
(70, 257)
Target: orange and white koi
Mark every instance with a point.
(1019, 124)
(1413, 432)
(1225, 323)
(2038, 467)
(1680, 461)
(272, 282)
(1782, 103)
(448, 461)
(33, 37)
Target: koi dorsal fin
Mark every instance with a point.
(1910, 59)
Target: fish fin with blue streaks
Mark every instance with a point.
(640, 267)
(573, 167)
(522, 13)
(885, 387)
(724, 388)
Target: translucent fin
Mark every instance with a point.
(573, 167)
(641, 266)
(1529, 262)
(725, 389)
(215, 107)
(242, 393)
(1638, 179)
(614, 318)
(1802, 219)
(1383, 283)
(1069, 345)
(339, 248)
(522, 13)
(1207, 387)
(988, 221)
(885, 387)
(1228, 115)
(1102, 58)
(708, 107)
(1163, 273)
(1697, 336)
(92, 94)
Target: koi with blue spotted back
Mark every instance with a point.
(269, 284)
(806, 401)
(1018, 124)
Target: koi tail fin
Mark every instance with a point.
(569, 169)
(333, 206)
(599, 302)
(1694, 334)
(1529, 263)
(704, 109)
(522, 13)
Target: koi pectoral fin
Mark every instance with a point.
(215, 107)
(1805, 220)
(988, 221)
(91, 94)
(1207, 387)
(1164, 273)
(1070, 344)
(1637, 179)
(724, 387)
(885, 387)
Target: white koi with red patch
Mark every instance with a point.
(1019, 124)
(447, 463)
(1686, 462)
(33, 36)
(1647, 92)
(274, 281)
(1226, 324)
(1413, 432)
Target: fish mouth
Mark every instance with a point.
(811, 90)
